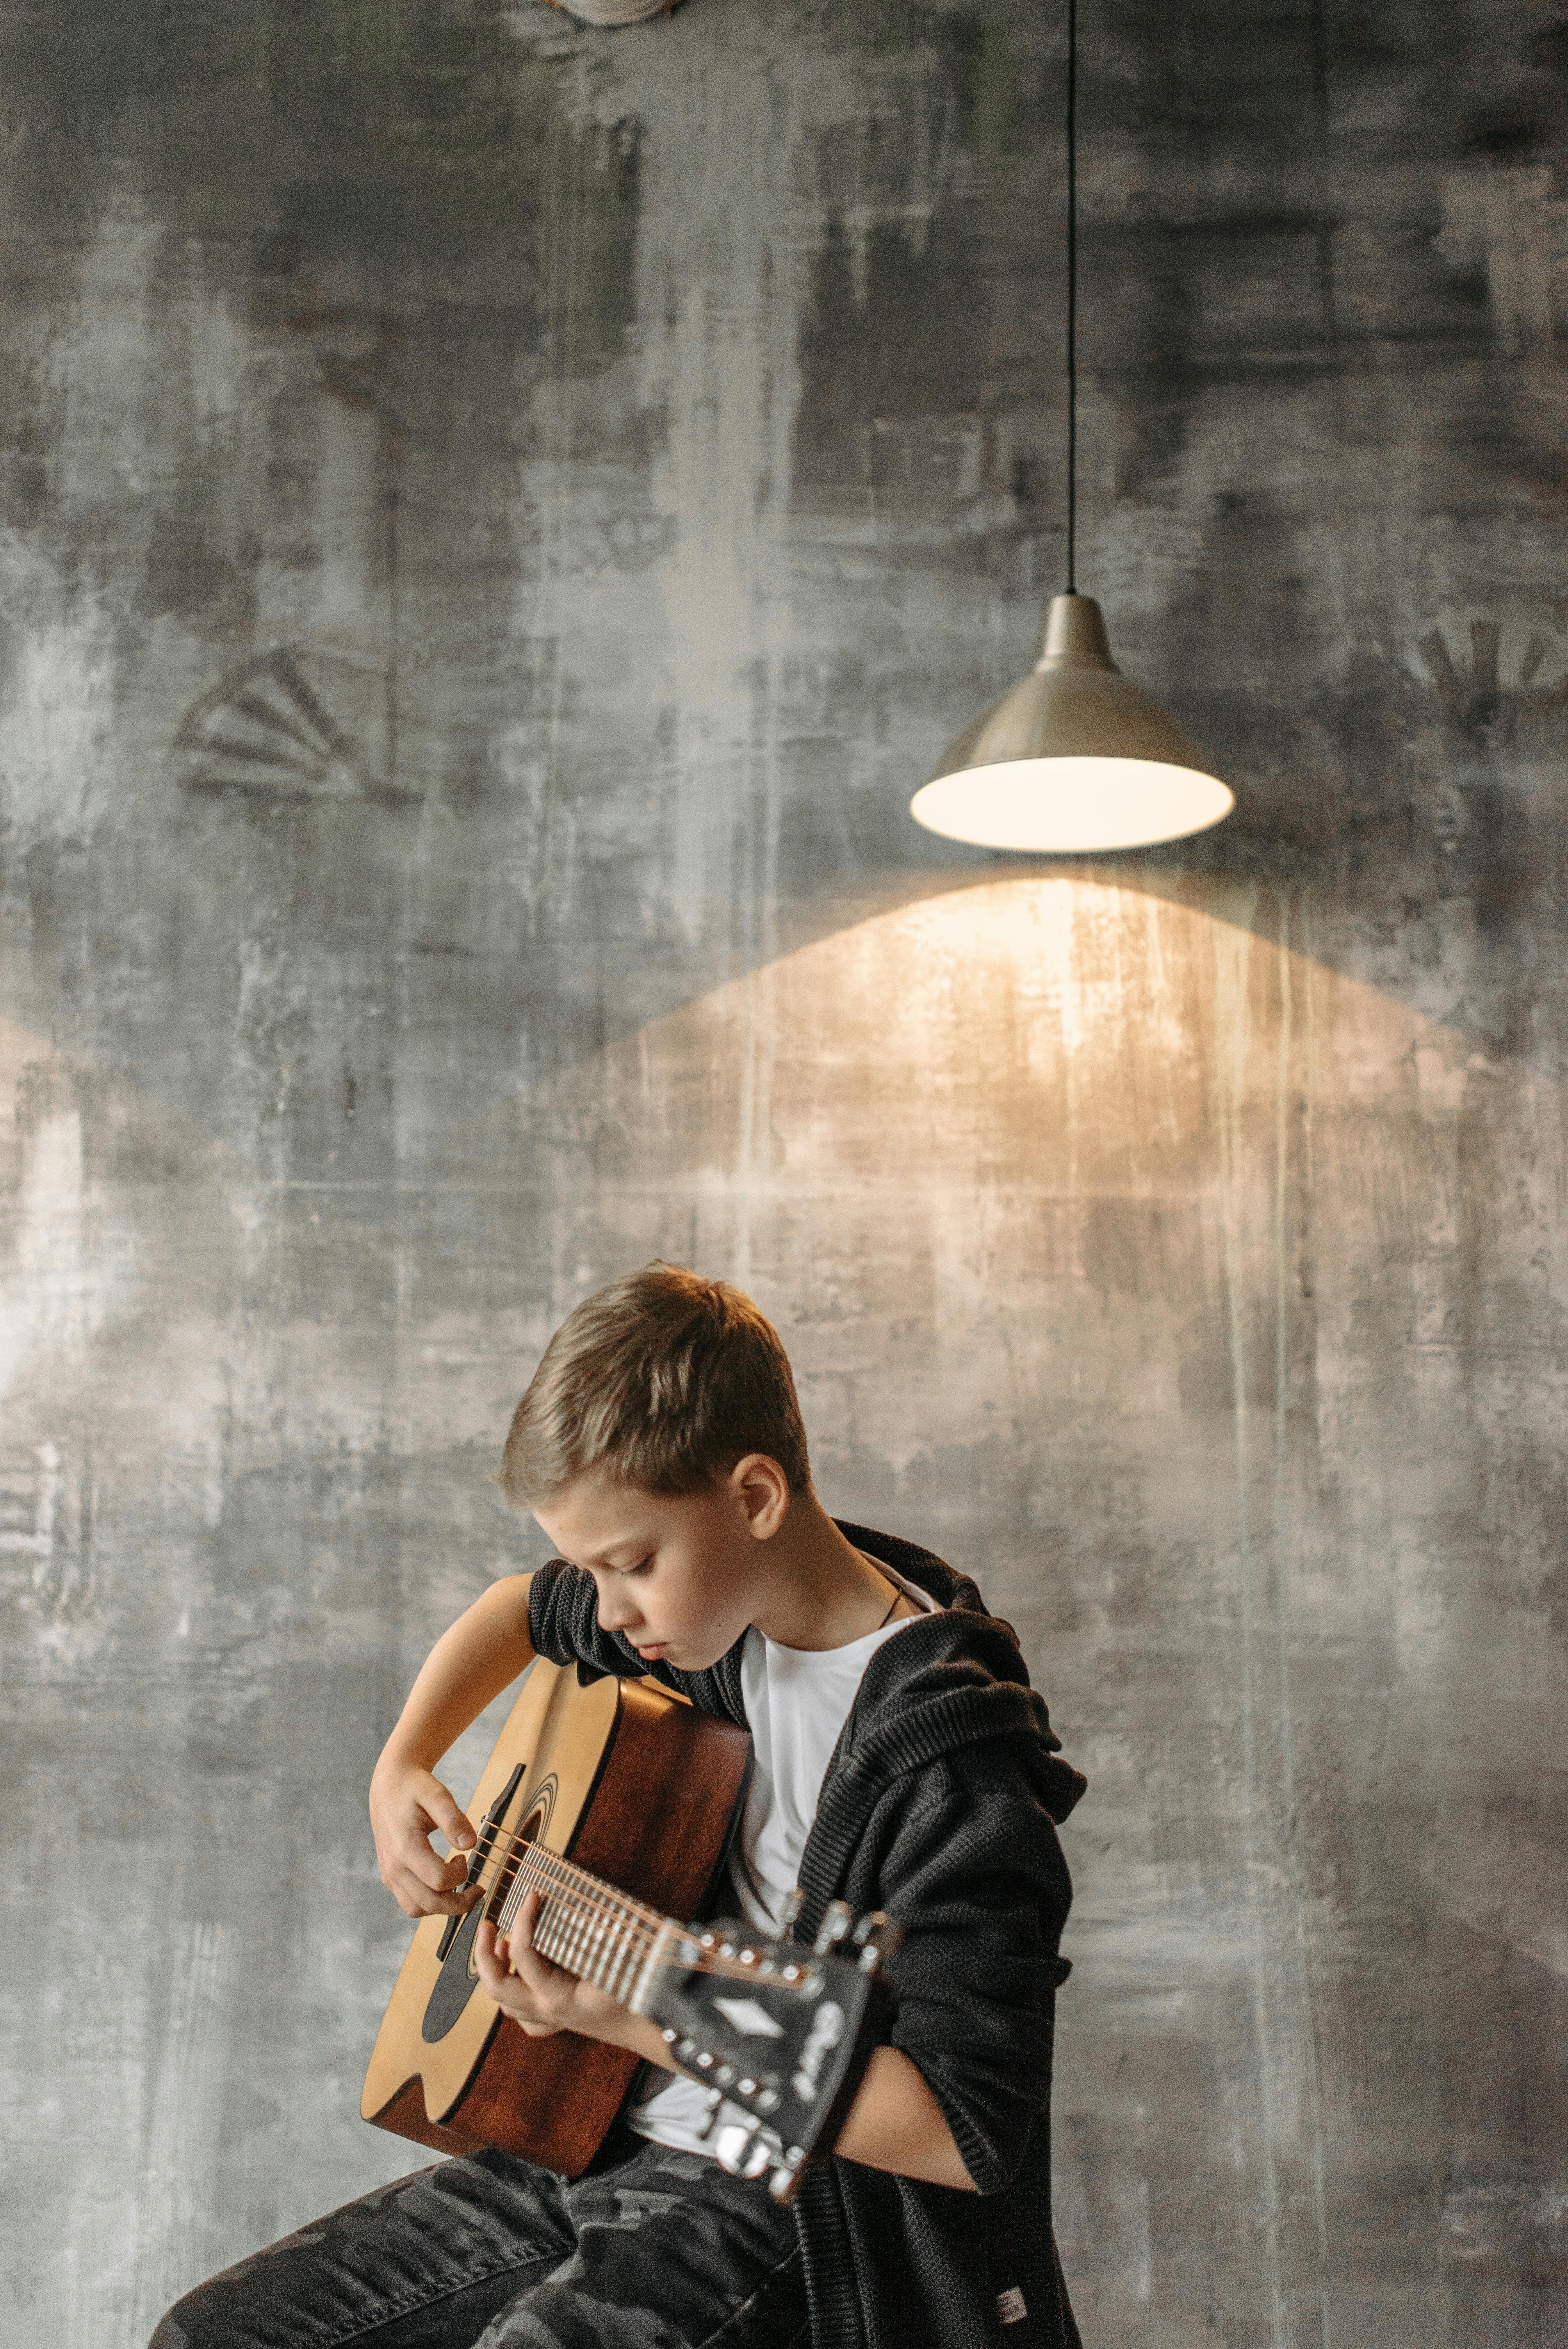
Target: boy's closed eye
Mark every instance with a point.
(639, 1567)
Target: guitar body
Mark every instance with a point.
(636, 1787)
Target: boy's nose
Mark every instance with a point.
(614, 1613)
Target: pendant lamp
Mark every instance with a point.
(1075, 760)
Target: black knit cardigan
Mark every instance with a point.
(938, 1806)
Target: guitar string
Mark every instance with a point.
(604, 1939)
(708, 1962)
(591, 1891)
(703, 1961)
(639, 1925)
(592, 1941)
(569, 1877)
(610, 1929)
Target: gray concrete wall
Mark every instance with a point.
(497, 519)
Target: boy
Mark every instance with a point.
(900, 1763)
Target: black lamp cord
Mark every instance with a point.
(1072, 297)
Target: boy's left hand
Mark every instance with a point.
(543, 1998)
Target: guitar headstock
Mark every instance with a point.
(780, 2031)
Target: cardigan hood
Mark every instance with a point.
(954, 1679)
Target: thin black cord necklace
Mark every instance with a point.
(1072, 297)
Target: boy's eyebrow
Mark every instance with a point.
(630, 1541)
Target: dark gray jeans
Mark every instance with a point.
(661, 2251)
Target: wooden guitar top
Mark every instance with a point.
(637, 1787)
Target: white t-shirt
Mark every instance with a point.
(797, 1702)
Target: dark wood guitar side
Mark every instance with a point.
(636, 1787)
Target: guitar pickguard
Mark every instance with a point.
(457, 1980)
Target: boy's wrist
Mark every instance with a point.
(638, 2036)
(399, 1754)
(605, 2018)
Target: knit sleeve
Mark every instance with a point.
(563, 1624)
(975, 1875)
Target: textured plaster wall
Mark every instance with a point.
(494, 520)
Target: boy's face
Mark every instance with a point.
(678, 1574)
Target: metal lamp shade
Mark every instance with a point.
(1074, 761)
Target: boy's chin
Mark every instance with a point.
(685, 1656)
(667, 1652)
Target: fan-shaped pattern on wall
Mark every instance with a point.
(293, 724)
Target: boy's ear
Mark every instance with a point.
(763, 1491)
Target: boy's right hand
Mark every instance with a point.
(408, 1806)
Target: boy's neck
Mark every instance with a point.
(817, 1590)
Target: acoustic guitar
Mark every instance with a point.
(617, 1802)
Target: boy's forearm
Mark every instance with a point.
(896, 2123)
(486, 1647)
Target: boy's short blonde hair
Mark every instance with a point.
(662, 1380)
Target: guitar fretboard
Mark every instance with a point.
(584, 1925)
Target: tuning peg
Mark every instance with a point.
(837, 1918)
(876, 1938)
(793, 1904)
(745, 2152)
(714, 2101)
(785, 2182)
